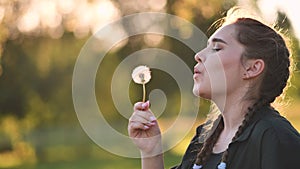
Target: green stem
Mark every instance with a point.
(144, 92)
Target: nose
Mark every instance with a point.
(199, 57)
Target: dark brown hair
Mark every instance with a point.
(260, 42)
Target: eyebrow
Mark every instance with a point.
(218, 40)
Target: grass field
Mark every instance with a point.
(70, 148)
(105, 161)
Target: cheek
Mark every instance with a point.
(231, 62)
(223, 73)
(233, 71)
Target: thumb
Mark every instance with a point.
(146, 105)
(142, 105)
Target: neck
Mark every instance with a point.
(233, 116)
(233, 112)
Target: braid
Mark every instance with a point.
(208, 145)
(251, 110)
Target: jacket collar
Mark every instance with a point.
(258, 115)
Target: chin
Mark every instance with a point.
(201, 93)
(196, 93)
(196, 90)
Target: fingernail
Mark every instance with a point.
(146, 127)
(152, 124)
(152, 118)
(144, 105)
(148, 103)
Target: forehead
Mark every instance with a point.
(226, 33)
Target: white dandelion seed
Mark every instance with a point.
(141, 75)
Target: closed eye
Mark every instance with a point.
(216, 49)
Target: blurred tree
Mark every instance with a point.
(41, 39)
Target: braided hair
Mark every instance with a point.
(260, 42)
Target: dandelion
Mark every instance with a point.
(141, 75)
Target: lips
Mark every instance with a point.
(196, 71)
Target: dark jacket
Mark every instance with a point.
(269, 142)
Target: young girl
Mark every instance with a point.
(249, 133)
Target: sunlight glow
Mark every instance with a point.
(29, 21)
(48, 13)
(153, 39)
(269, 9)
(105, 12)
(65, 6)
(290, 8)
(81, 17)
(2, 12)
(157, 5)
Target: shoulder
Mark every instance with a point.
(275, 126)
(279, 141)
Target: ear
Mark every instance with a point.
(253, 68)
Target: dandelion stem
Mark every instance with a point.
(144, 92)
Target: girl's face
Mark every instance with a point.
(219, 70)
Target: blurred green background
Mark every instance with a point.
(39, 44)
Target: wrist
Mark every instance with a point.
(154, 152)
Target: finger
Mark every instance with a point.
(145, 115)
(134, 126)
(138, 118)
(142, 105)
(143, 121)
(146, 105)
(137, 106)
